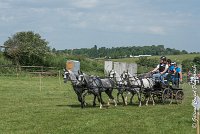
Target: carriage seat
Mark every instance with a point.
(173, 79)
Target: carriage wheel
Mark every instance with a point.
(157, 96)
(179, 96)
(167, 96)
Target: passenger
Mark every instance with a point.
(161, 68)
(170, 71)
(178, 73)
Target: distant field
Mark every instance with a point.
(177, 58)
(54, 109)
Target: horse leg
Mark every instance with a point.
(147, 98)
(139, 99)
(118, 96)
(99, 99)
(152, 97)
(123, 99)
(109, 93)
(120, 91)
(79, 96)
(126, 97)
(82, 102)
(83, 98)
(131, 99)
(94, 101)
(102, 99)
(147, 101)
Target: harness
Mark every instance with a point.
(162, 67)
(135, 80)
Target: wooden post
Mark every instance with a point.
(40, 82)
(41, 78)
(59, 77)
(197, 122)
(17, 71)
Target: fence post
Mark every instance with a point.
(197, 121)
(17, 71)
(59, 77)
(41, 78)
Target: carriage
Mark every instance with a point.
(124, 83)
(169, 91)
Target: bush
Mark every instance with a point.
(145, 64)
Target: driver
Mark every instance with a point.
(161, 69)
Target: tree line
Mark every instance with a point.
(123, 52)
(29, 48)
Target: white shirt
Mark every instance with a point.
(166, 66)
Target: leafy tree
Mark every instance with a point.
(121, 52)
(146, 64)
(26, 48)
(196, 61)
(187, 65)
(93, 52)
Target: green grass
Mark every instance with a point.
(177, 58)
(24, 108)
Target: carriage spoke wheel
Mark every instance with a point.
(156, 96)
(167, 96)
(179, 96)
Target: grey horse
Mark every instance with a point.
(97, 85)
(139, 86)
(119, 84)
(76, 84)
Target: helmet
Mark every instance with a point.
(173, 63)
(163, 58)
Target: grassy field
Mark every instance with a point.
(177, 58)
(25, 108)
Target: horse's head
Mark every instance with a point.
(83, 78)
(112, 74)
(125, 75)
(66, 75)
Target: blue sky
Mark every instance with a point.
(70, 24)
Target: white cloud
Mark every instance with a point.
(4, 5)
(84, 3)
(156, 30)
(104, 16)
(6, 18)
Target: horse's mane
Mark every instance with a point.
(117, 76)
(86, 77)
(73, 76)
